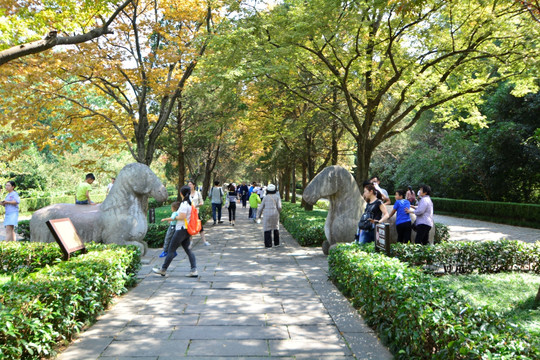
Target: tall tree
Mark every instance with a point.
(392, 61)
(135, 77)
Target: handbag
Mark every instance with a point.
(364, 223)
(227, 202)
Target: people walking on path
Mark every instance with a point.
(270, 208)
(254, 201)
(424, 215)
(403, 219)
(197, 200)
(82, 193)
(181, 237)
(231, 204)
(172, 227)
(216, 197)
(244, 193)
(11, 203)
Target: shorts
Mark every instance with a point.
(11, 219)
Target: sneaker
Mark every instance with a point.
(192, 273)
(206, 243)
(220, 222)
(163, 254)
(159, 271)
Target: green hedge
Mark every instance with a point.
(501, 212)
(51, 305)
(418, 317)
(466, 257)
(25, 257)
(307, 227)
(32, 204)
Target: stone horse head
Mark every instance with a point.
(120, 219)
(346, 203)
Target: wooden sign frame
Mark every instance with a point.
(382, 238)
(66, 236)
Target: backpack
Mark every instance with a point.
(364, 223)
(194, 225)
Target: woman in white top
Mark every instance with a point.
(197, 200)
(181, 237)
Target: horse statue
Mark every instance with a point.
(120, 219)
(346, 204)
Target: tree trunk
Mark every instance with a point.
(363, 158)
(538, 295)
(287, 183)
(181, 153)
(293, 198)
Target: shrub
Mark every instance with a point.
(156, 234)
(442, 233)
(466, 257)
(23, 229)
(418, 317)
(26, 257)
(307, 227)
(54, 303)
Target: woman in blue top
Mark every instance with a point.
(11, 202)
(403, 219)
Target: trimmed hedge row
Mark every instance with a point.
(32, 204)
(502, 212)
(23, 258)
(418, 317)
(466, 257)
(50, 306)
(307, 227)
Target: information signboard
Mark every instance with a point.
(66, 236)
(382, 238)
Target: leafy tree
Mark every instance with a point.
(391, 62)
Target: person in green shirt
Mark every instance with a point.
(82, 194)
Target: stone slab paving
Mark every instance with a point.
(476, 230)
(248, 303)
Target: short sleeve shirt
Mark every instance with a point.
(12, 208)
(401, 215)
(173, 216)
(80, 194)
(185, 208)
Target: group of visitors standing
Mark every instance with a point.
(406, 203)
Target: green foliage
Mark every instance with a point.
(442, 233)
(467, 257)
(23, 229)
(156, 234)
(25, 257)
(509, 294)
(32, 204)
(507, 213)
(54, 303)
(417, 316)
(307, 227)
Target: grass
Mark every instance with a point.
(510, 294)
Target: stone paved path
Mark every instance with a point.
(249, 302)
(476, 230)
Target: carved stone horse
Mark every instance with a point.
(120, 219)
(346, 203)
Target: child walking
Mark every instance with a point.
(172, 227)
(254, 201)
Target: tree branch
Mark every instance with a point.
(51, 40)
